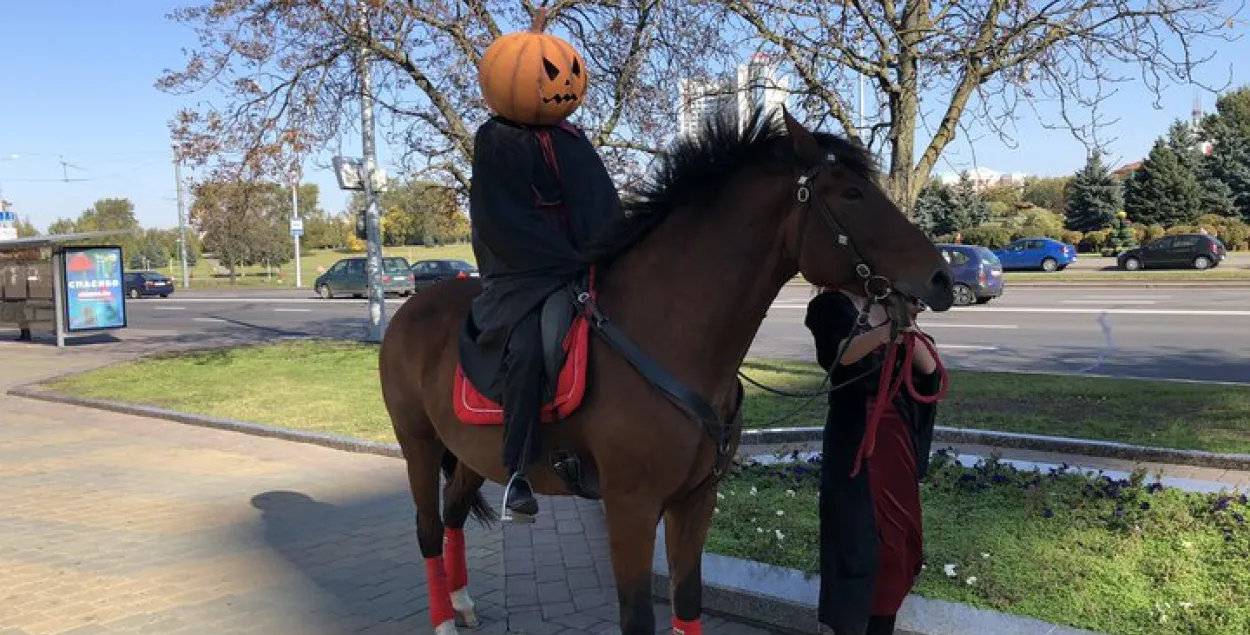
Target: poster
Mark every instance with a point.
(94, 298)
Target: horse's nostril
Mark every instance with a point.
(942, 280)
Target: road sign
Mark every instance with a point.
(297, 227)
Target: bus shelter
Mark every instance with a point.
(62, 285)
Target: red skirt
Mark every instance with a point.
(894, 482)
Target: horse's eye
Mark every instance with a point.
(852, 194)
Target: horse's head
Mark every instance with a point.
(847, 233)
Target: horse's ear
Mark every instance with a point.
(806, 147)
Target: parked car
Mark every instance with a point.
(1199, 251)
(977, 272)
(1046, 254)
(349, 276)
(427, 273)
(138, 284)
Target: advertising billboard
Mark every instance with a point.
(94, 297)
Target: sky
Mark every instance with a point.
(80, 118)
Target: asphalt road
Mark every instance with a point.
(1194, 334)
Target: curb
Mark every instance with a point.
(1172, 283)
(785, 599)
(1021, 441)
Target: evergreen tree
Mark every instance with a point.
(932, 207)
(1165, 190)
(968, 207)
(1227, 167)
(1094, 197)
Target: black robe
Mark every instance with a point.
(848, 534)
(539, 195)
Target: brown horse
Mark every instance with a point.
(689, 275)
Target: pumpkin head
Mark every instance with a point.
(532, 77)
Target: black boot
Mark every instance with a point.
(24, 335)
(881, 625)
(519, 499)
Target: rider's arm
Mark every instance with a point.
(922, 360)
(831, 318)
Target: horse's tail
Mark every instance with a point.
(458, 492)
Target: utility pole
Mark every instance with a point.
(296, 235)
(373, 224)
(182, 219)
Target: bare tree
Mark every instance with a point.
(286, 70)
(946, 61)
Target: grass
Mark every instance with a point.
(1120, 557)
(312, 264)
(333, 387)
(1214, 418)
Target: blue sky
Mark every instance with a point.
(78, 86)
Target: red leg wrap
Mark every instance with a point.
(440, 595)
(682, 627)
(454, 559)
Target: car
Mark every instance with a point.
(427, 273)
(138, 284)
(1047, 254)
(349, 276)
(977, 273)
(1199, 251)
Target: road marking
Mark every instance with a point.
(968, 347)
(1107, 301)
(1077, 310)
(1118, 298)
(203, 319)
(955, 325)
(169, 308)
(291, 310)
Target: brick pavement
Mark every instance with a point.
(112, 524)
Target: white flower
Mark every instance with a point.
(754, 491)
(950, 570)
(1187, 605)
(780, 536)
(971, 581)
(781, 512)
(985, 555)
(720, 496)
(759, 530)
(715, 510)
(790, 493)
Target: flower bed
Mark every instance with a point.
(1116, 556)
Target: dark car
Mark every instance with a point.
(430, 272)
(349, 276)
(977, 272)
(139, 284)
(1199, 251)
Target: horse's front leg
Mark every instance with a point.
(631, 537)
(685, 531)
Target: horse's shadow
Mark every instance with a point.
(364, 562)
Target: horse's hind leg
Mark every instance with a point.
(686, 523)
(424, 457)
(460, 498)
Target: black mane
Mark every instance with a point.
(695, 168)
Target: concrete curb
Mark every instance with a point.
(1111, 283)
(786, 599)
(1020, 441)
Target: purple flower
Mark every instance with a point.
(1145, 506)
(1119, 511)
(1048, 514)
(1239, 518)
(1154, 487)
(1222, 503)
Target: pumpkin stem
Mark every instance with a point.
(540, 20)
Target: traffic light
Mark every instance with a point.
(362, 226)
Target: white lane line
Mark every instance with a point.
(203, 319)
(274, 301)
(291, 310)
(968, 347)
(1076, 310)
(1125, 298)
(1107, 301)
(954, 325)
(169, 308)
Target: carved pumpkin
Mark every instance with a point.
(532, 77)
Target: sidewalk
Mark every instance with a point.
(114, 524)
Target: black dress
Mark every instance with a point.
(850, 543)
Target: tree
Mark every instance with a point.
(943, 210)
(1227, 168)
(289, 74)
(1048, 192)
(243, 223)
(981, 59)
(419, 213)
(932, 208)
(1165, 190)
(62, 226)
(25, 228)
(1094, 197)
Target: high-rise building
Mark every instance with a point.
(761, 85)
(701, 98)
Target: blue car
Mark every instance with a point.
(977, 272)
(1046, 254)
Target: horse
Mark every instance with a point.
(685, 278)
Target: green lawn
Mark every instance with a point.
(1115, 557)
(333, 387)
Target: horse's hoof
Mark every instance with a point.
(446, 628)
(463, 604)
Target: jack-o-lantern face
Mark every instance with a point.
(533, 77)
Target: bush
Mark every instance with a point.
(1096, 241)
(987, 236)
(1071, 237)
(1153, 232)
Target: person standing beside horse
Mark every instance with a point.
(888, 378)
(539, 193)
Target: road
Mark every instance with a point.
(1194, 334)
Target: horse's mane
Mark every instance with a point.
(696, 167)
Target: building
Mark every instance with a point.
(701, 98)
(761, 84)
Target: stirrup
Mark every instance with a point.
(507, 515)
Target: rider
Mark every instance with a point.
(539, 193)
